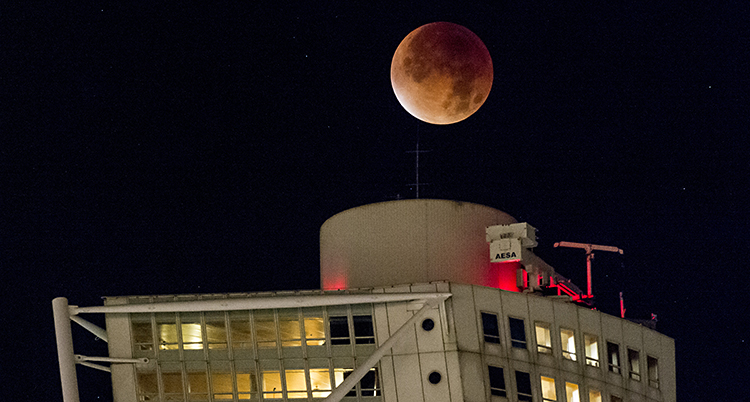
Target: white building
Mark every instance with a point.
(422, 300)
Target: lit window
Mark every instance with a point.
(320, 381)
(595, 396)
(265, 329)
(517, 333)
(653, 371)
(523, 386)
(296, 385)
(568, 342)
(490, 328)
(289, 329)
(192, 337)
(571, 392)
(339, 330)
(613, 357)
(239, 330)
(634, 364)
(543, 338)
(246, 385)
(363, 331)
(497, 381)
(221, 385)
(591, 345)
(216, 330)
(549, 393)
(271, 381)
(315, 333)
(166, 328)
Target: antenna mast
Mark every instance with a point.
(589, 256)
(417, 184)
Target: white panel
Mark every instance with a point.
(430, 341)
(472, 377)
(389, 379)
(453, 368)
(430, 362)
(397, 316)
(408, 380)
(464, 317)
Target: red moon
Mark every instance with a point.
(441, 73)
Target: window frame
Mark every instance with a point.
(634, 370)
(523, 396)
(498, 387)
(487, 334)
(545, 396)
(652, 371)
(547, 329)
(591, 360)
(568, 354)
(513, 330)
(614, 365)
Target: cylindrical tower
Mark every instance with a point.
(408, 241)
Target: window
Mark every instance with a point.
(523, 386)
(568, 342)
(497, 381)
(216, 330)
(339, 326)
(613, 357)
(653, 371)
(369, 385)
(363, 331)
(190, 328)
(595, 396)
(265, 329)
(549, 393)
(490, 328)
(271, 381)
(148, 386)
(296, 385)
(239, 330)
(221, 385)
(571, 392)
(246, 385)
(320, 381)
(615, 398)
(166, 328)
(634, 364)
(517, 333)
(315, 332)
(591, 346)
(289, 329)
(543, 338)
(142, 336)
(198, 385)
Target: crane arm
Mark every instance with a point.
(588, 247)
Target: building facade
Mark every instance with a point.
(459, 328)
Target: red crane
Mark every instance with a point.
(589, 256)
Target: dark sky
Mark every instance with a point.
(151, 149)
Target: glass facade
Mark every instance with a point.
(283, 354)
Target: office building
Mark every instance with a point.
(420, 300)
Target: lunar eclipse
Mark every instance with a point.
(441, 73)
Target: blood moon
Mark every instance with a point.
(441, 73)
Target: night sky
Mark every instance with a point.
(160, 149)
